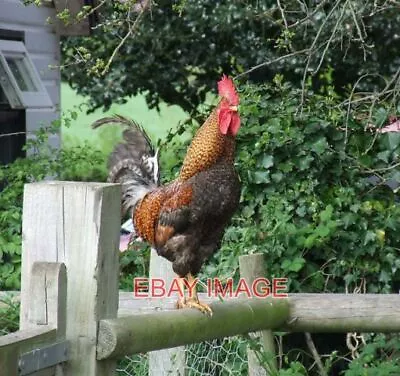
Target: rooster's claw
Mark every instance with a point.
(194, 303)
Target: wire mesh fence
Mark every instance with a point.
(134, 365)
(224, 357)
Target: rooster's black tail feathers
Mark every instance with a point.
(133, 163)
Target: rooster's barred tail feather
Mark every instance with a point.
(133, 163)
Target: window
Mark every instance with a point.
(19, 78)
(3, 98)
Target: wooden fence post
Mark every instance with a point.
(171, 361)
(45, 320)
(77, 224)
(252, 267)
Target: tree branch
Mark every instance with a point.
(312, 48)
(310, 15)
(123, 40)
(11, 134)
(314, 352)
(273, 61)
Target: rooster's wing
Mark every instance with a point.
(200, 205)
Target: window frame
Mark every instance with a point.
(17, 97)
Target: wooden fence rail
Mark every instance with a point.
(45, 321)
(141, 333)
(70, 296)
(315, 313)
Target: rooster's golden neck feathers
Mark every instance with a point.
(215, 138)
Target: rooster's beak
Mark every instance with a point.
(233, 108)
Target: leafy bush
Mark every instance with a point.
(176, 51)
(79, 163)
(369, 362)
(9, 315)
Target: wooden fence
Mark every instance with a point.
(70, 322)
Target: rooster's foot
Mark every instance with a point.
(194, 303)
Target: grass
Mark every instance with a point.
(156, 123)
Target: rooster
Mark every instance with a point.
(185, 219)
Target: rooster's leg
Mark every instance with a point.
(193, 301)
(181, 295)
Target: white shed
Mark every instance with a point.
(30, 79)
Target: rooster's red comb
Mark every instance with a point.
(227, 90)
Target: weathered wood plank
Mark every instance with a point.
(48, 294)
(78, 224)
(41, 41)
(39, 118)
(252, 267)
(167, 361)
(13, 344)
(45, 319)
(16, 13)
(309, 312)
(141, 333)
(28, 337)
(341, 313)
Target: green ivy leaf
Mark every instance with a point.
(305, 162)
(301, 211)
(393, 140)
(267, 161)
(293, 265)
(370, 237)
(319, 146)
(277, 177)
(384, 156)
(326, 214)
(322, 231)
(261, 177)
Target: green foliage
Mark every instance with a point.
(133, 263)
(369, 362)
(79, 163)
(9, 315)
(178, 49)
(295, 369)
